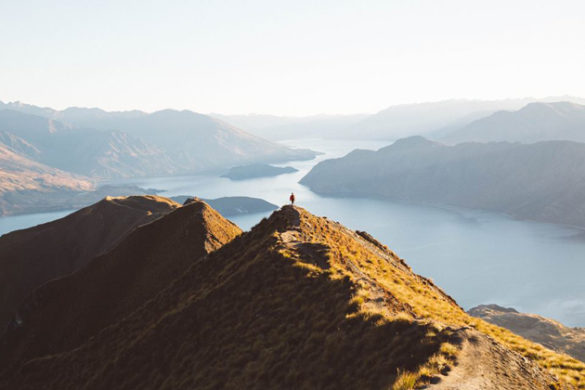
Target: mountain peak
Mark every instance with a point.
(560, 105)
(299, 301)
(144, 202)
(34, 256)
(413, 142)
(117, 282)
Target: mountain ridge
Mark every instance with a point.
(113, 284)
(298, 301)
(537, 121)
(33, 256)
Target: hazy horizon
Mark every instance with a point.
(316, 114)
(287, 59)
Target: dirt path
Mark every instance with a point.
(485, 364)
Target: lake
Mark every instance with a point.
(476, 257)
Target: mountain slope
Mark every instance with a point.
(543, 181)
(105, 144)
(100, 154)
(534, 122)
(114, 284)
(434, 119)
(31, 257)
(24, 181)
(22, 174)
(195, 142)
(297, 302)
(547, 332)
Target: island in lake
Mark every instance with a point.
(232, 205)
(253, 171)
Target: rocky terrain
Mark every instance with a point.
(297, 302)
(544, 181)
(545, 331)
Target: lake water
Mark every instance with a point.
(476, 257)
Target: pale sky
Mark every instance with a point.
(287, 57)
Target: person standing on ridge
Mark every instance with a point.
(292, 198)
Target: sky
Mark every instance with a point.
(287, 57)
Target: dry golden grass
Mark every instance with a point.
(418, 297)
(299, 302)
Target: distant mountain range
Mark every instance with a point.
(54, 160)
(431, 119)
(284, 128)
(544, 181)
(105, 144)
(187, 300)
(534, 122)
(89, 152)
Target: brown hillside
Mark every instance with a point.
(550, 333)
(31, 257)
(299, 302)
(65, 312)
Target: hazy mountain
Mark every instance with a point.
(534, 122)
(286, 127)
(65, 312)
(434, 119)
(195, 142)
(27, 186)
(31, 257)
(45, 112)
(544, 181)
(545, 331)
(134, 143)
(19, 173)
(99, 154)
(25, 183)
(297, 302)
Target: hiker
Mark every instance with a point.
(292, 198)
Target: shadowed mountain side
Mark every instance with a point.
(543, 181)
(545, 331)
(297, 302)
(31, 257)
(534, 122)
(77, 306)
